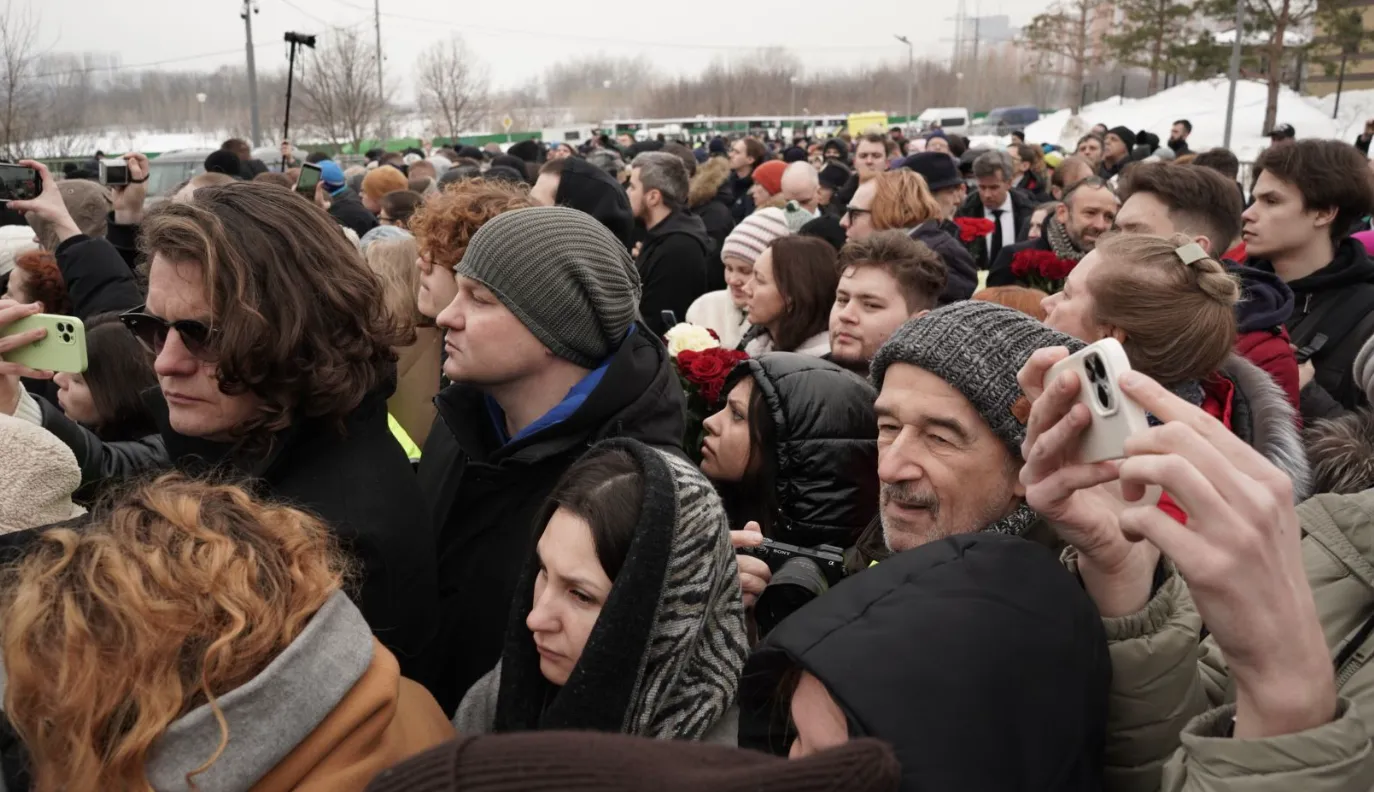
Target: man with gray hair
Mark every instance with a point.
(802, 184)
(1009, 209)
(672, 258)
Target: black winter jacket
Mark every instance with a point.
(485, 495)
(1000, 274)
(826, 435)
(1022, 207)
(1344, 292)
(977, 658)
(741, 205)
(943, 238)
(347, 210)
(672, 268)
(98, 277)
(359, 482)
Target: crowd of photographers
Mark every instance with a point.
(735, 466)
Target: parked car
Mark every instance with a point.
(953, 120)
(169, 171)
(1012, 119)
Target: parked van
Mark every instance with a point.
(953, 120)
(1012, 119)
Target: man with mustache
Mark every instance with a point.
(951, 419)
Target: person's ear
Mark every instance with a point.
(1206, 245)
(919, 314)
(1117, 333)
(1061, 213)
(1323, 218)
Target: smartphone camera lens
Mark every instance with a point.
(1096, 371)
(1104, 395)
(66, 338)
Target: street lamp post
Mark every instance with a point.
(910, 73)
(793, 109)
(200, 97)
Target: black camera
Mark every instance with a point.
(800, 574)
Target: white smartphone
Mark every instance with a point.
(1115, 417)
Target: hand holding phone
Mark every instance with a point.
(308, 180)
(1115, 416)
(62, 347)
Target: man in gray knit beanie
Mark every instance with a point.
(951, 419)
(562, 274)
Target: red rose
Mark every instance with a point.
(705, 368)
(1021, 264)
(970, 228)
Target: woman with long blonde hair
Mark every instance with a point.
(192, 637)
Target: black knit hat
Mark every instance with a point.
(1126, 135)
(938, 169)
(794, 154)
(592, 762)
(834, 175)
(527, 150)
(718, 146)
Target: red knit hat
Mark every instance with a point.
(769, 176)
(599, 762)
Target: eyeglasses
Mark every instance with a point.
(151, 331)
(853, 213)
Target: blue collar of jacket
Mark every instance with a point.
(575, 398)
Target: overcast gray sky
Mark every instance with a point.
(516, 40)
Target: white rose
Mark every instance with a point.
(689, 336)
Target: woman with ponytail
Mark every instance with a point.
(1172, 307)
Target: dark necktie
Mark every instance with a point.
(996, 236)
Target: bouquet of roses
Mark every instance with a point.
(1042, 269)
(702, 366)
(972, 230)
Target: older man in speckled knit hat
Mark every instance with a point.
(951, 419)
(547, 354)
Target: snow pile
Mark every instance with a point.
(143, 140)
(1204, 104)
(1357, 107)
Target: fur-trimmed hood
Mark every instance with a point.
(1262, 416)
(711, 178)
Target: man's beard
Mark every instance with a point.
(913, 496)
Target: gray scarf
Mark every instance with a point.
(1060, 241)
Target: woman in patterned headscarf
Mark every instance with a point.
(629, 618)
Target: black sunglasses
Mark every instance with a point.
(151, 331)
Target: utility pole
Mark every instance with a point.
(1235, 73)
(381, 94)
(249, 9)
(910, 73)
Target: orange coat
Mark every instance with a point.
(384, 718)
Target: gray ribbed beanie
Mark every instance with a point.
(977, 347)
(562, 274)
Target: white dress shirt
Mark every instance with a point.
(1008, 226)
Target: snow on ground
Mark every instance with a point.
(1356, 108)
(128, 140)
(1204, 104)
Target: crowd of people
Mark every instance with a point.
(409, 481)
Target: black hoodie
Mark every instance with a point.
(978, 658)
(672, 268)
(589, 189)
(484, 494)
(1344, 292)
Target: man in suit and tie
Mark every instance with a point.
(1008, 208)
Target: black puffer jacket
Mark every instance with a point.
(978, 658)
(826, 438)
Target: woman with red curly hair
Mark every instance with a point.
(36, 278)
(205, 641)
(443, 225)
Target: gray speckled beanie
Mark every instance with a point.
(563, 275)
(977, 347)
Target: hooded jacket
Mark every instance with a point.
(484, 494)
(1344, 290)
(1172, 699)
(709, 198)
(348, 211)
(672, 267)
(587, 188)
(826, 447)
(975, 657)
(962, 278)
(664, 657)
(1265, 305)
(328, 713)
(358, 481)
(1258, 412)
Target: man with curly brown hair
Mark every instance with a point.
(274, 359)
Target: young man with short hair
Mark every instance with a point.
(672, 260)
(1178, 136)
(1307, 199)
(1164, 199)
(745, 155)
(1088, 211)
(1116, 151)
(885, 280)
(870, 161)
(1090, 147)
(546, 355)
(1008, 208)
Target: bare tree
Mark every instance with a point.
(1062, 40)
(452, 86)
(20, 97)
(338, 88)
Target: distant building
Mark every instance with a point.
(1359, 68)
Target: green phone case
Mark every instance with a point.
(63, 349)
